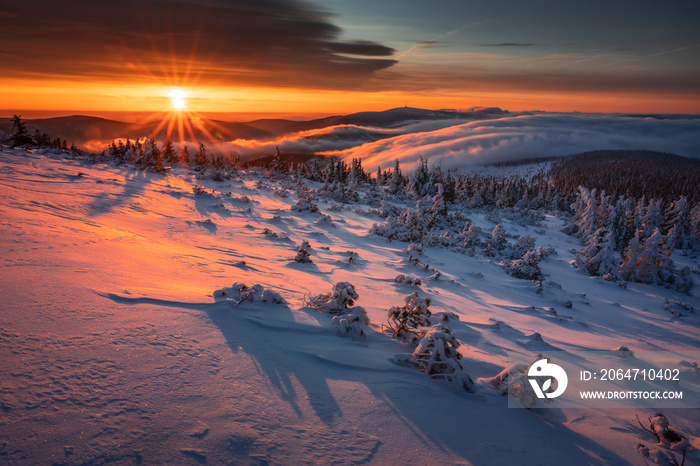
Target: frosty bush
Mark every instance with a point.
(437, 355)
(527, 267)
(683, 281)
(324, 220)
(305, 204)
(200, 190)
(269, 234)
(303, 255)
(240, 292)
(407, 280)
(352, 258)
(353, 322)
(340, 303)
(521, 246)
(408, 322)
(670, 442)
(472, 235)
(512, 382)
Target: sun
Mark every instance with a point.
(178, 96)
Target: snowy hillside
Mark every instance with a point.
(127, 336)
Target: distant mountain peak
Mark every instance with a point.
(408, 110)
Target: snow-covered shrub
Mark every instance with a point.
(669, 443)
(200, 190)
(527, 267)
(303, 255)
(623, 351)
(512, 382)
(437, 356)
(304, 204)
(354, 321)
(269, 234)
(281, 192)
(340, 302)
(352, 257)
(240, 292)
(388, 209)
(409, 321)
(683, 281)
(415, 247)
(521, 246)
(678, 308)
(324, 219)
(407, 280)
(409, 225)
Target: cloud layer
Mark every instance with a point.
(266, 42)
(527, 136)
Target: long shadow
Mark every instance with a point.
(274, 356)
(472, 426)
(134, 186)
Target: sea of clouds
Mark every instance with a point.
(526, 136)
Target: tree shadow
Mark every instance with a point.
(471, 426)
(134, 185)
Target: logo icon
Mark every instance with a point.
(543, 369)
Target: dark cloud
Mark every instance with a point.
(280, 42)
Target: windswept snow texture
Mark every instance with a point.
(114, 349)
(529, 136)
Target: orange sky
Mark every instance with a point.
(291, 56)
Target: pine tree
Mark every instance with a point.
(20, 136)
(677, 222)
(599, 255)
(630, 269)
(184, 155)
(201, 157)
(497, 242)
(169, 155)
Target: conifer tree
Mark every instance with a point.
(20, 136)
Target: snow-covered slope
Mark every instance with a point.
(114, 348)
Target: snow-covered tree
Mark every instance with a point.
(436, 354)
(409, 322)
(439, 204)
(585, 209)
(677, 223)
(527, 267)
(497, 242)
(599, 257)
(629, 268)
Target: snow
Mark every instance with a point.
(114, 348)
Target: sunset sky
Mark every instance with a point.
(333, 56)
